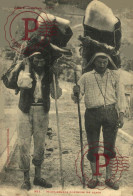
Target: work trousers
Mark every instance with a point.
(34, 123)
(95, 119)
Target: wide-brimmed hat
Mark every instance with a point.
(101, 54)
(36, 54)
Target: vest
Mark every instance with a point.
(27, 95)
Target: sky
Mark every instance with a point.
(116, 4)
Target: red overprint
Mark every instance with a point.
(8, 149)
(29, 25)
(70, 192)
(118, 165)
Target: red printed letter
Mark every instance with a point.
(97, 163)
(26, 27)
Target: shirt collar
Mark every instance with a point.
(37, 76)
(94, 71)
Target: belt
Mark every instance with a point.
(37, 104)
(111, 106)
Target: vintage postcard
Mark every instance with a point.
(66, 97)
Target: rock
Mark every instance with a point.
(50, 149)
(65, 152)
(48, 154)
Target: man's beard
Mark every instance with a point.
(39, 70)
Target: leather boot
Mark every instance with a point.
(26, 184)
(94, 181)
(110, 182)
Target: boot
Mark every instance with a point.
(38, 181)
(110, 182)
(26, 184)
(94, 181)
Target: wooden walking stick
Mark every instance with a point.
(58, 131)
(80, 129)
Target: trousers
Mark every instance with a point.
(34, 123)
(95, 119)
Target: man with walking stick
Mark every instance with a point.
(103, 93)
(35, 81)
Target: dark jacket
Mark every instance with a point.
(27, 95)
(27, 98)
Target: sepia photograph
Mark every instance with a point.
(66, 97)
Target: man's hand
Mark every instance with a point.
(76, 90)
(120, 122)
(58, 91)
(76, 93)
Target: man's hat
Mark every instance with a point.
(104, 55)
(37, 54)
